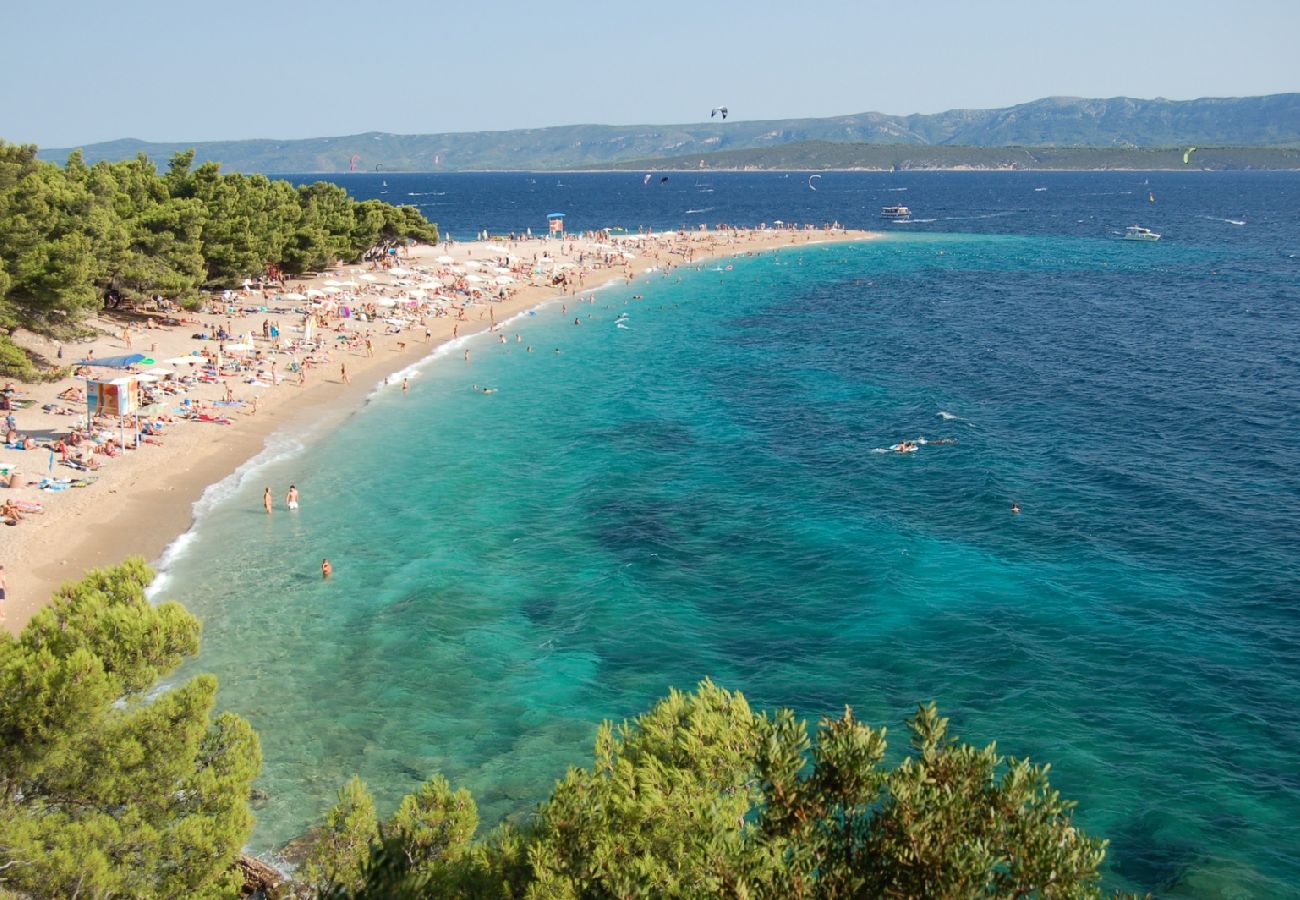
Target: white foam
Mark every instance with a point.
(278, 447)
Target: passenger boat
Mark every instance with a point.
(1138, 233)
(895, 212)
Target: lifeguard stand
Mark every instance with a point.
(555, 223)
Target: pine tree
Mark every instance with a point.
(105, 788)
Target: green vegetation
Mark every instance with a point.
(69, 235)
(1117, 122)
(109, 787)
(106, 788)
(702, 797)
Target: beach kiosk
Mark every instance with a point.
(113, 397)
(555, 223)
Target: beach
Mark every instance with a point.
(141, 499)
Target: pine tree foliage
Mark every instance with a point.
(70, 235)
(703, 797)
(107, 789)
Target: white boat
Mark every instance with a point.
(1138, 233)
(895, 212)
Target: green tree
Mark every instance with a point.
(47, 251)
(351, 830)
(105, 791)
(702, 797)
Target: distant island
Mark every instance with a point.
(1052, 133)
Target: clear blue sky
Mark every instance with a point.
(83, 71)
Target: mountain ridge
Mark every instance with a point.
(1271, 120)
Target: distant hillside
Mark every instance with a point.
(813, 155)
(1271, 121)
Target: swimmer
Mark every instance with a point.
(291, 498)
(326, 570)
(266, 500)
(1015, 507)
(406, 385)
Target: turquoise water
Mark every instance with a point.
(702, 493)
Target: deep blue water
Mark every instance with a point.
(700, 493)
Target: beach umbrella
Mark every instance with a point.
(446, 259)
(291, 296)
(398, 270)
(504, 279)
(116, 362)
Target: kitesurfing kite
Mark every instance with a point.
(810, 184)
(718, 109)
(647, 180)
(1187, 156)
(663, 180)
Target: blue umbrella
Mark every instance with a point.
(114, 362)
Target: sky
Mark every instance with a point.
(84, 71)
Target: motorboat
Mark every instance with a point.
(1138, 233)
(897, 213)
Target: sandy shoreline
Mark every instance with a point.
(143, 499)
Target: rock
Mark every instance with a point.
(261, 879)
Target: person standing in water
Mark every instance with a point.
(291, 498)
(266, 500)
(326, 570)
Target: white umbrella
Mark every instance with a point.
(398, 270)
(473, 264)
(182, 360)
(291, 296)
(238, 348)
(504, 279)
(368, 277)
(500, 270)
(473, 278)
(446, 259)
(312, 292)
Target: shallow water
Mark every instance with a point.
(702, 492)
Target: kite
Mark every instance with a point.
(1187, 155)
(810, 184)
(718, 109)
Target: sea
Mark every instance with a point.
(695, 480)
